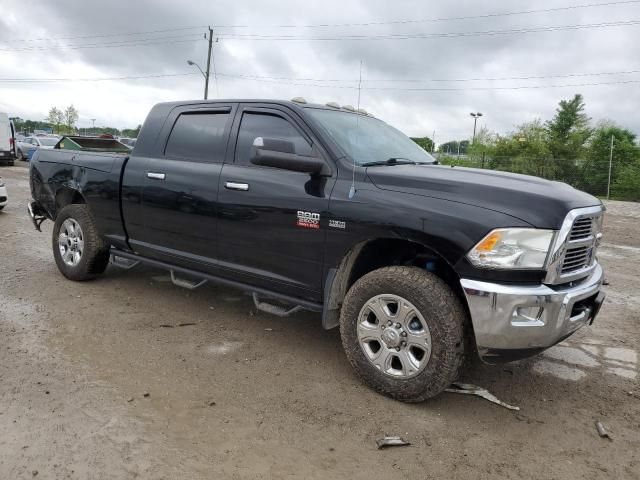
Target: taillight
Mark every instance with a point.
(10, 142)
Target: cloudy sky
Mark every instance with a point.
(425, 65)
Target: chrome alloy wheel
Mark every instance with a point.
(394, 336)
(71, 242)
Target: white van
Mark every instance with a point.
(7, 142)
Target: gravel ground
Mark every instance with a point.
(129, 376)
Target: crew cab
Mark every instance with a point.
(329, 209)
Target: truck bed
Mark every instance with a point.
(59, 172)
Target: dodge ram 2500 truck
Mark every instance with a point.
(329, 209)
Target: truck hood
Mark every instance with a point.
(542, 203)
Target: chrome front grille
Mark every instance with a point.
(576, 258)
(573, 254)
(582, 228)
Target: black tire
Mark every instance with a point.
(95, 253)
(443, 313)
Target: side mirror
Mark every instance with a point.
(277, 153)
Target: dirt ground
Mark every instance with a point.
(129, 376)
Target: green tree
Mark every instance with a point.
(454, 147)
(131, 132)
(625, 161)
(482, 148)
(526, 150)
(55, 118)
(70, 118)
(626, 185)
(424, 142)
(569, 132)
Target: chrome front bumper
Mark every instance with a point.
(512, 322)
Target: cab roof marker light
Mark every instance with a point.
(333, 105)
(350, 108)
(363, 111)
(298, 100)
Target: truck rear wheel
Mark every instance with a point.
(402, 330)
(79, 251)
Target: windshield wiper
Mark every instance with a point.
(390, 161)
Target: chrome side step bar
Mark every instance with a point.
(123, 263)
(37, 214)
(179, 282)
(274, 309)
(299, 304)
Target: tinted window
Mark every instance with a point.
(268, 126)
(199, 137)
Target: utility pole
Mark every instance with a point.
(206, 76)
(610, 163)
(433, 142)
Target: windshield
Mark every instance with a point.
(48, 142)
(367, 139)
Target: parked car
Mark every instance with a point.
(26, 147)
(7, 141)
(129, 142)
(4, 197)
(329, 209)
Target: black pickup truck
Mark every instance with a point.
(329, 209)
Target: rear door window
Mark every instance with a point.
(199, 137)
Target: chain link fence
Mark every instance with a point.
(594, 177)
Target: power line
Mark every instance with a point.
(106, 35)
(445, 89)
(323, 25)
(96, 79)
(116, 44)
(518, 87)
(425, 80)
(404, 36)
(296, 82)
(442, 19)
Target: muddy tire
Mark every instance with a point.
(79, 251)
(20, 155)
(403, 331)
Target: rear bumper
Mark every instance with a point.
(7, 156)
(512, 322)
(3, 196)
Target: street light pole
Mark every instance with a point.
(475, 122)
(93, 125)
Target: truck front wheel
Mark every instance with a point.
(79, 251)
(402, 330)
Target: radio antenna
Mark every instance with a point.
(352, 190)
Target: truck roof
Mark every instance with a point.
(297, 102)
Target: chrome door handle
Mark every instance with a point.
(156, 176)
(243, 187)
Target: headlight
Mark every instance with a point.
(512, 248)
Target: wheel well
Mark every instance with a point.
(384, 252)
(68, 196)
